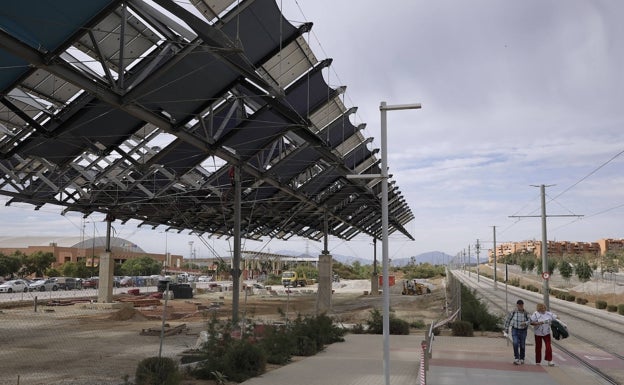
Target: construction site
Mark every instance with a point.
(80, 342)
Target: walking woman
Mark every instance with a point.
(541, 321)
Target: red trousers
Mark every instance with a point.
(538, 348)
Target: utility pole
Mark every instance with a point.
(478, 263)
(469, 260)
(545, 272)
(494, 252)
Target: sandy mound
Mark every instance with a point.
(126, 314)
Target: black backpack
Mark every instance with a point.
(558, 330)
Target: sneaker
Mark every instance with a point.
(538, 363)
(521, 362)
(550, 363)
(516, 362)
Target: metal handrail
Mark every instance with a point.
(427, 345)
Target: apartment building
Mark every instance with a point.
(558, 248)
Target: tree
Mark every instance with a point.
(37, 263)
(222, 267)
(552, 265)
(524, 263)
(75, 269)
(9, 265)
(141, 266)
(583, 271)
(565, 269)
(530, 264)
(609, 263)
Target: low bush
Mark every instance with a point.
(612, 308)
(396, 326)
(621, 309)
(240, 359)
(476, 312)
(358, 329)
(462, 329)
(277, 345)
(418, 324)
(243, 361)
(570, 297)
(157, 371)
(601, 304)
(581, 300)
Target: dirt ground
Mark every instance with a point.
(87, 344)
(80, 343)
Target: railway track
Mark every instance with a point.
(596, 339)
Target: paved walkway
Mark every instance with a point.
(489, 361)
(357, 361)
(456, 360)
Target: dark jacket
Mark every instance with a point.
(558, 330)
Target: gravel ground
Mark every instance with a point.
(75, 345)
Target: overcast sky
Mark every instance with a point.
(514, 94)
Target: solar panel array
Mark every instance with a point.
(142, 110)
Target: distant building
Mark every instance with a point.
(558, 248)
(258, 263)
(77, 249)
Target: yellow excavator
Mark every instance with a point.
(411, 287)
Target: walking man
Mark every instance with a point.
(518, 320)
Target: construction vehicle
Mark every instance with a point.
(293, 279)
(411, 287)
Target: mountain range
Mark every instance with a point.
(432, 257)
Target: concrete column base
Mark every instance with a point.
(106, 284)
(324, 293)
(375, 284)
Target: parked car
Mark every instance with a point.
(90, 283)
(204, 278)
(94, 282)
(43, 285)
(14, 286)
(67, 283)
(126, 282)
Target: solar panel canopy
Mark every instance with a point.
(147, 110)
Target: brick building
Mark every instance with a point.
(558, 248)
(77, 249)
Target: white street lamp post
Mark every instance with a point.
(383, 107)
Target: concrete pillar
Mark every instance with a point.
(105, 290)
(375, 284)
(324, 293)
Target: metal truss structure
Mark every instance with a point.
(143, 109)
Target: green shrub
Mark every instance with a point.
(399, 326)
(581, 300)
(305, 346)
(462, 329)
(157, 371)
(621, 309)
(476, 312)
(358, 329)
(514, 282)
(277, 344)
(418, 324)
(570, 297)
(612, 308)
(601, 304)
(396, 326)
(319, 331)
(244, 360)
